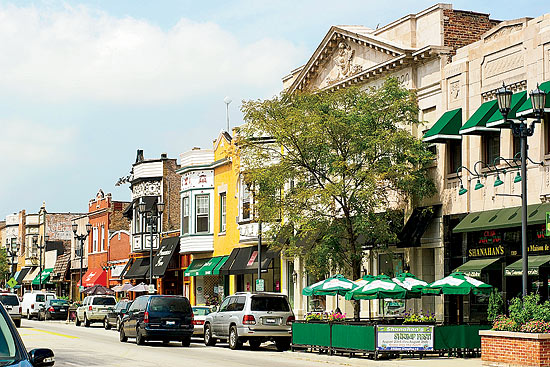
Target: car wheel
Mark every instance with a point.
(209, 340)
(86, 321)
(282, 344)
(118, 324)
(186, 341)
(76, 321)
(254, 343)
(18, 323)
(28, 315)
(106, 324)
(234, 342)
(140, 340)
(46, 317)
(122, 336)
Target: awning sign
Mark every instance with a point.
(252, 258)
(547, 224)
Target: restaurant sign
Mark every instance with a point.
(405, 337)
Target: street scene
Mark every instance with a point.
(294, 184)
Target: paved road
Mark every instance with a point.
(94, 346)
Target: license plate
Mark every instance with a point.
(170, 323)
(62, 309)
(270, 321)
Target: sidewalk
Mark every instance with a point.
(337, 360)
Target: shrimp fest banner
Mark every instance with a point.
(405, 337)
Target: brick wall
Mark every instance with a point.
(119, 246)
(460, 28)
(171, 190)
(515, 351)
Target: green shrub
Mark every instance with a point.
(529, 309)
(496, 305)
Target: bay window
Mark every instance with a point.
(202, 204)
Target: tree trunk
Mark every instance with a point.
(356, 271)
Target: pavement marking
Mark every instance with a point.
(54, 333)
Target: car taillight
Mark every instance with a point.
(290, 320)
(146, 317)
(249, 320)
(197, 322)
(89, 308)
(51, 309)
(32, 306)
(20, 309)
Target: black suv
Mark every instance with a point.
(156, 317)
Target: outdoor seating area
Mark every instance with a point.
(389, 336)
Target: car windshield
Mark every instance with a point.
(59, 302)
(9, 299)
(170, 304)
(104, 301)
(262, 303)
(8, 351)
(201, 311)
(40, 298)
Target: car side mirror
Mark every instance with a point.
(42, 357)
(214, 308)
(123, 311)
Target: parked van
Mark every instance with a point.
(32, 301)
(12, 305)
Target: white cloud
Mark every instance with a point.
(80, 54)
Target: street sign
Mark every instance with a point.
(12, 282)
(151, 288)
(260, 285)
(81, 288)
(547, 224)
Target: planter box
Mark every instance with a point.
(311, 334)
(506, 348)
(353, 337)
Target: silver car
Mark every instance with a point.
(252, 317)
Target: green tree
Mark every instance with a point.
(332, 165)
(4, 266)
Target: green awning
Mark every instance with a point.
(527, 108)
(476, 124)
(208, 267)
(446, 128)
(220, 264)
(502, 218)
(496, 120)
(194, 267)
(533, 265)
(473, 268)
(45, 277)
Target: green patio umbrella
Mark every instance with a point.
(333, 286)
(380, 287)
(365, 279)
(412, 284)
(458, 283)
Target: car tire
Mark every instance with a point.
(140, 340)
(282, 344)
(118, 324)
(28, 315)
(46, 318)
(76, 321)
(254, 343)
(209, 340)
(234, 341)
(186, 341)
(17, 323)
(86, 321)
(122, 336)
(106, 324)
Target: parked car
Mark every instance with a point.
(114, 317)
(252, 317)
(94, 309)
(54, 309)
(12, 349)
(32, 301)
(13, 306)
(156, 317)
(199, 313)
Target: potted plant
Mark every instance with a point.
(421, 318)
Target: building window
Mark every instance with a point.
(546, 123)
(223, 201)
(103, 236)
(185, 215)
(137, 220)
(94, 239)
(454, 154)
(517, 147)
(491, 148)
(202, 203)
(245, 197)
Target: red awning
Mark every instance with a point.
(93, 277)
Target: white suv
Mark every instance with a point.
(12, 305)
(252, 317)
(94, 309)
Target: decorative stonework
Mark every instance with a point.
(505, 31)
(514, 87)
(146, 188)
(503, 64)
(454, 90)
(546, 61)
(344, 65)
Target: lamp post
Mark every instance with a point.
(11, 251)
(40, 247)
(522, 131)
(151, 218)
(81, 238)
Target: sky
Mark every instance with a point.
(84, 84)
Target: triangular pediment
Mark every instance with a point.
(345, 51)
(505, 28)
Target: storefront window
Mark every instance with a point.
(491, 148)
(223, 200)
(185, 215)
(203, 213)
(454, 148)
(245, 202)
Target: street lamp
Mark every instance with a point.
(81, 238)
(40, 247)
(11, 252)
(151, 218)
(522, 131)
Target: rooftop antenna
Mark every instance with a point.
(227, 101)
